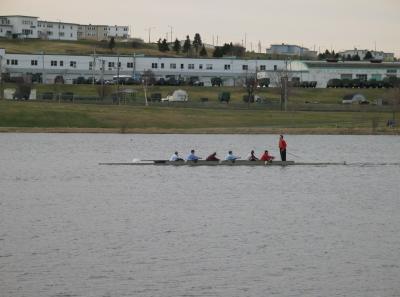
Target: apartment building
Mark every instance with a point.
(18, 26)
(57, 30)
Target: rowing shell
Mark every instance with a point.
(220, 163)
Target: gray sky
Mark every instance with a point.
(341, 24)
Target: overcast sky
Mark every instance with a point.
(338, 25)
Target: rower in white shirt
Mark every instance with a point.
(231, 157)
(175, 157)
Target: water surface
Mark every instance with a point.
(69, 227)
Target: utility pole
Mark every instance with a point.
(149, 30)
(134, 65)
(43, 70)
(171, 32)
(119, 101)
(94, 66)
(1, 78)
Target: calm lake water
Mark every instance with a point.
(69, 227)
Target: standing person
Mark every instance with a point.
(266, 157)
(230, 157)
(175, 157)
(252, 157)
(192, 156)
(282, 148)
(212, 157)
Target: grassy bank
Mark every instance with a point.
(296, 95)
(80, 47)
(61, 117)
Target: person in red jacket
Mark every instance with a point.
(282, 148)
(212, 157)
(266, 157)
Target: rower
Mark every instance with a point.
(192, 156)
(252, 157)
(212, 157)
(175, 157)
(266, 157)
(230, 157)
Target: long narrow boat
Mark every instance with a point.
(221, 163)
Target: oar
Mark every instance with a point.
(293, 155)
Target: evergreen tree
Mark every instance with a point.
(111, 43)
(356, 57)
(164, 46)
(177, 46)
(159, 45)
(368, 56)
(197, 42)
(203, 51)
(187, 45)
(218, 52)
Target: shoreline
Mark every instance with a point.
(239, 130)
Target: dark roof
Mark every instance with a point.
(323, 64)
(16, 15)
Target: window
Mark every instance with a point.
(346, 76)
(53, 63)
(8, 62)
(245, 67)
(34, 62)
(227, 67)
(62, 34)
(111, 64)
(363, 77)
(90, 65)
(61, 63)
(209, 66)
(72, 64)
(275, 67)
(119, 64)
(391, 72)
(172, 66)
(162, 65)
(129, 65)
(263, 68)
(14, 62)
(190, 66)
(154, 65)
(376, 76)
(182, 66)
(200, 66)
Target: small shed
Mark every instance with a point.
(353, 98)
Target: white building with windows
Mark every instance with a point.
(291, 50)
(118, 32)
(57, 30)
(232, 71)
(378, 55)
(18, 26)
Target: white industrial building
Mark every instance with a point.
(232, 71)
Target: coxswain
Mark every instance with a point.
(192, 156)
(212, 157)
(230, 157)
(175, 157)
(282, 148)
(252, 157)
(266, 157)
